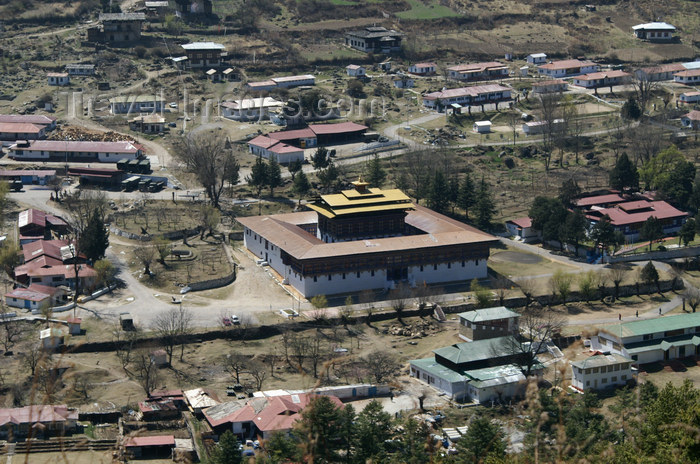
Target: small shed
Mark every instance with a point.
(230, 74)
(355, 70)
(126, 321)
(214, 75)
(52, 338)
(524, 71)
(482, 127)
(159, 446)
(159, 358)
(58, 78)
(74, 325)
(403, 82)
(537, 58)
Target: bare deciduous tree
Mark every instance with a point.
(146, 255)
(617, 274)
(381, 365)
(235, 364)
(527, 287)
(537, 326)
(11, 329)
(692, 297)
(258, 371)
(32, 357)
(171, 326)
(644, 88)
(549, 109)
(207, 157)
(145, 370)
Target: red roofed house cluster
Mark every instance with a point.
(288, 145)
(37, 420)
(627, 214)
(260, 416)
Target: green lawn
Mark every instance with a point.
(432, 10)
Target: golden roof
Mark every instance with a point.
(361, 200)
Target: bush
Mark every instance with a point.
(561, 284)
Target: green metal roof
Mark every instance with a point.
(478, 350)
(430, 366)
(662, 343)
(488, 314)
(650, 326)
(600, 360)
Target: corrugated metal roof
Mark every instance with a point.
(488, 314)
(478, 350)
(650, 326)
(601, 360)
(432, 367)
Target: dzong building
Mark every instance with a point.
(366, 239)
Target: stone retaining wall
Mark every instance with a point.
(175, 235)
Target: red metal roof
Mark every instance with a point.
(693, 115)
(664, 68)
(337, 128)
(82, 147)
(619, 216)
(263, 141)
(477, 67)
(20, 128)
(306, 133)
(27, 294)
(523, 222)
(37, 413)
(40, 119)
(282, 148)
(50, 248)
(688, 73)
(27, 172)
(567, 64)
(603, 75)
(599, 200)
(158, 440)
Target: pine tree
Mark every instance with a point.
(438, 192)
(274, 175)
(376, 176)
(467, 196)
(624, 174)
(258, 176)
(294, 167)
(226, 452)
(485, 207)
(95, 239)
(453, 192)
(320, 160)
(301, 185)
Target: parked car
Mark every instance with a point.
(226, 321)
(235, 320)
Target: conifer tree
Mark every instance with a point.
(484, 207)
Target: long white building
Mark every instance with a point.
(58, 150)
(366, 238)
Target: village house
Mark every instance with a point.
(156, 8)
(135, 104)
(661, 339)
(521, 228)
(48, 122)
(285, 82)
(34, 224)
(467, 96)
(602, 79)
(250, 109)
(148, 124)
(423, 69)
(479, 371)
(78, 69)
(99, 177)
(28, 176)
(481, 324)
(118, 27)
(662, 72)
(59, 79)
(268, 148)
(689, 98)
(402, 81)
(567, 68)
(60, 275)
(601, 371)
(539, 127)
(204, 54)
(374, 39)
(316, 135)
(366, 238)
(74, 325)
(629, 217)
(35, 297)
(43, 421)
(689, 76)
(536, 58)
(355, 70)
(550, 86)
(654, 32)
(260, 416)
(199, 399)
(84, 152)
(12, 131)
(478, 71)
(691, 120)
